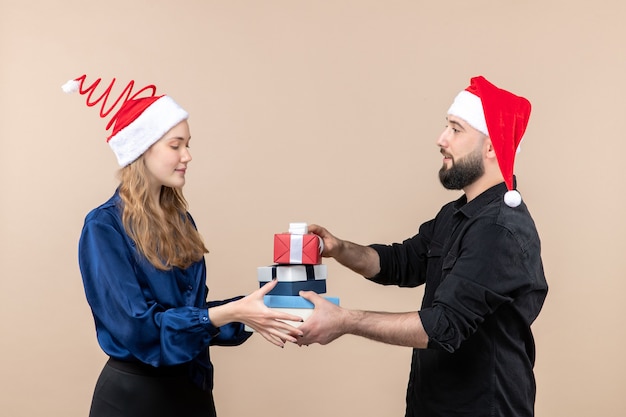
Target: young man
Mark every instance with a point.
(480, 261)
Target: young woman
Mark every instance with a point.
(143, 269)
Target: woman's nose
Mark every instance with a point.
(186, 157)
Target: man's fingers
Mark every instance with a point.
(311, 296)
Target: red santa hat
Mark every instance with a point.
(503, 117)
(138, 123)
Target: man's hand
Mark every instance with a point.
(361, 259)
(331, 243)
(326, 324)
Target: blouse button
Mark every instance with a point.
(190, 288)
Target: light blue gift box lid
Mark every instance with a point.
(292, 301)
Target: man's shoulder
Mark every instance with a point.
(517, 221)
(449, 208)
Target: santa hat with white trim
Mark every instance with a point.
(139, 122)
(503, 117)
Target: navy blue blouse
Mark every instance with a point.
(142, 313)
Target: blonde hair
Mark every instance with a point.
(166, 237)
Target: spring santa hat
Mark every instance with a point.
(139, 122)
(503, 117)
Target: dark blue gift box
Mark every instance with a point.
(294, 287)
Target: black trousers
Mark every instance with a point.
(135, 390)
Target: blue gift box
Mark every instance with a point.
(295, 305)
(286, 301)
(294, 278)
(294, 288)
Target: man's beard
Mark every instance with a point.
(462, 172)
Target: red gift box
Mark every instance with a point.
(304, 249)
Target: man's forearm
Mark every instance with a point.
(361, 259)
(401, 329)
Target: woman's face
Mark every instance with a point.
(166, 160)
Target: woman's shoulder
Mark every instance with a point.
(107, 211)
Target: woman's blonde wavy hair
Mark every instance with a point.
(167, 240)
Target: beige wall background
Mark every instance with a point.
(318, 111)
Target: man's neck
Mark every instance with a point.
(480, 186)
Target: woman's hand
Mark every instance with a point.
(267, 322)
(252, 312)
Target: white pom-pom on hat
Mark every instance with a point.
(512, 198)
(70, 87)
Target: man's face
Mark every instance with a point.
(462, 148)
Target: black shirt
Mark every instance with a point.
(485, 285)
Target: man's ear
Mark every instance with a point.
(490, 152)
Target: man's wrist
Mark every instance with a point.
(350, 321)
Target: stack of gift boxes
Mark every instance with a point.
(297, 267)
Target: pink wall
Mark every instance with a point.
(306, 111)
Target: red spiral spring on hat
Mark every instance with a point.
(104, 111)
